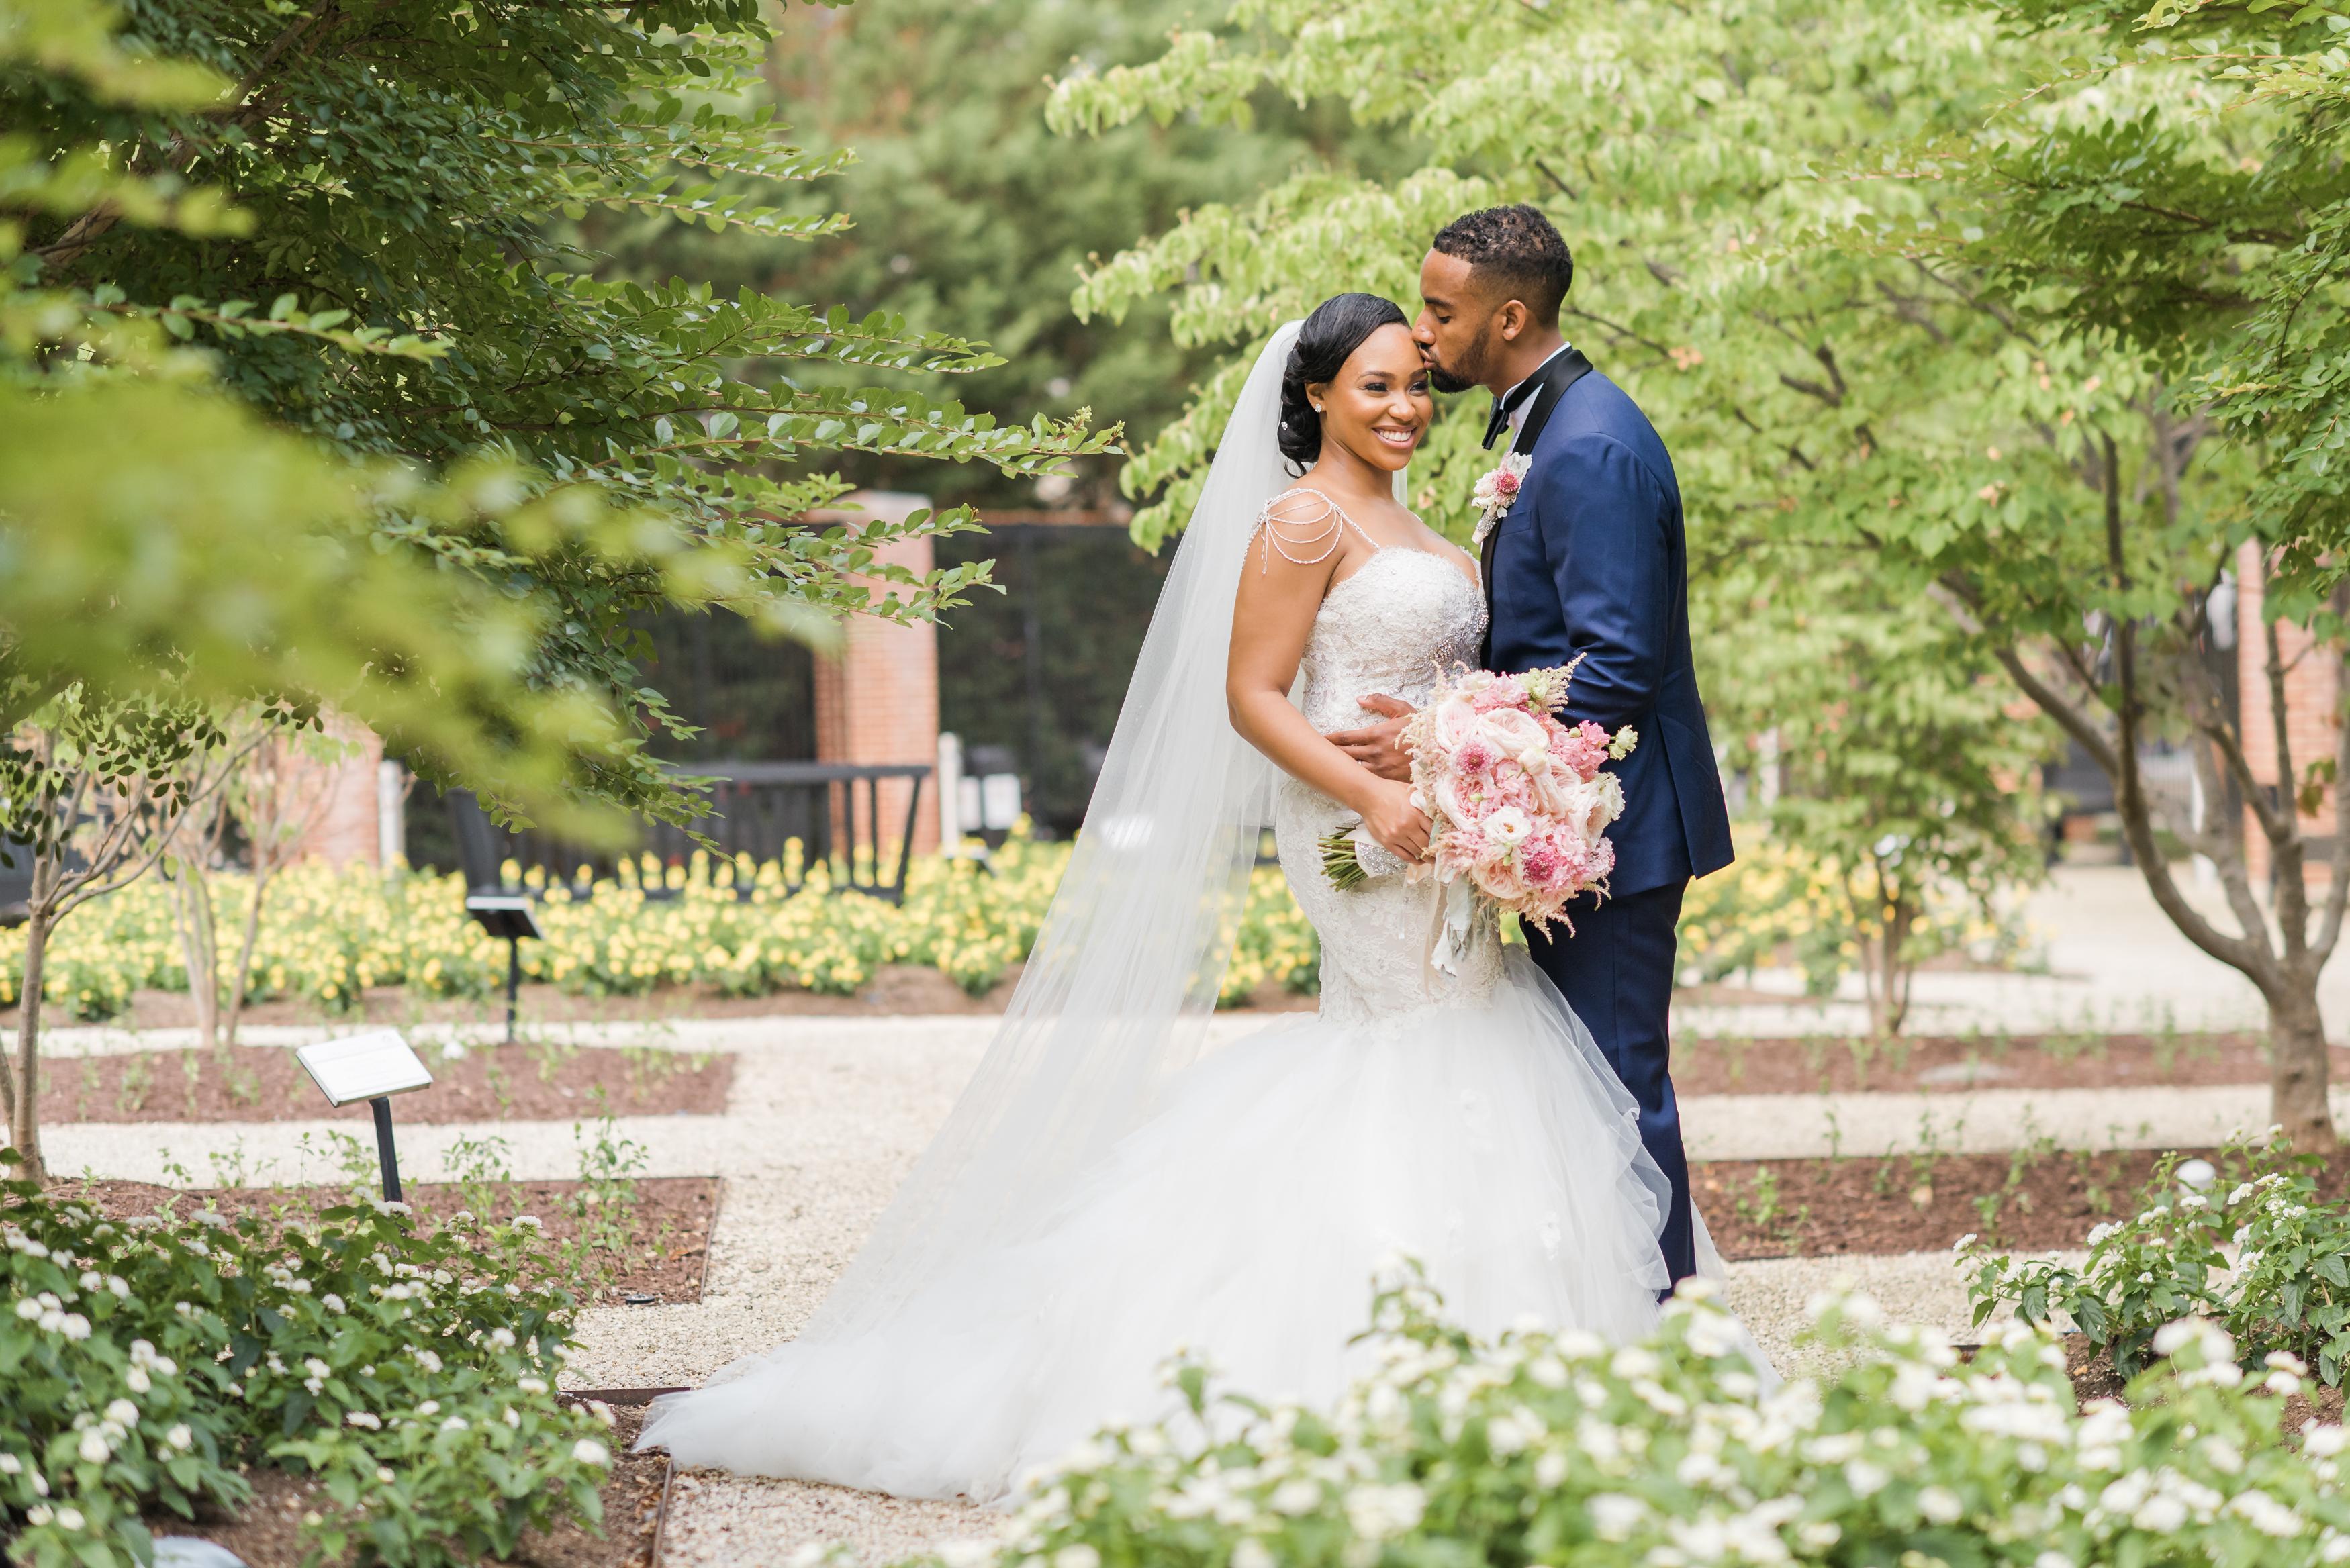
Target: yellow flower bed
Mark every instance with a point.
(1781, 906)
(329, 934)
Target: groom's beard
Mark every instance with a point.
(1469, 373)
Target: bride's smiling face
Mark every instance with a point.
(1379, 405)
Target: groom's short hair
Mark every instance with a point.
(1516, 249)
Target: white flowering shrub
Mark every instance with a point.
(142, 1362)
(2248, 1244)
(1554, 1448)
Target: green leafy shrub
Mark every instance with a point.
(2261, 1253)
(410, 1371)
(1554, 1448)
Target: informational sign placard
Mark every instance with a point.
(364, 1066)
(504, 914)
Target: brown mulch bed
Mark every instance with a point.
(531, 1081)
(2093, 1377)
(1826, 1065)
(895, 989)
(662, 1259)
(268, 1531)
(2029, 1201)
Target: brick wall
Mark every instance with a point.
(348, 826)
(877, 698)
(2312, 710)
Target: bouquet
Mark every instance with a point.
(1519, 809)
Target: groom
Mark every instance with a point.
(1589, 560)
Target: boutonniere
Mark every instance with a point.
(1495, 491)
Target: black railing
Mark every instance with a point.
(834, 811)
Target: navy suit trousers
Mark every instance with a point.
(1617, 973)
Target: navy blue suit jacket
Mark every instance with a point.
(1591, 559)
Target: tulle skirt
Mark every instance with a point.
(1244, 1221)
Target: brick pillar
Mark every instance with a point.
(877, 698)
(348, 824)
(2311, 708)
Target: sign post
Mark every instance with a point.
(373, 1066)
(507, 916)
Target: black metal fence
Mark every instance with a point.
(834, 810)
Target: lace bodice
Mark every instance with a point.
(1391, 627)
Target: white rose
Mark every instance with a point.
(94, 1449)
(1508, 827)
(589, 1451)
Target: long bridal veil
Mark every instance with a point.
(1117, 995)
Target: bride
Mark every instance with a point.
(1101, 1196)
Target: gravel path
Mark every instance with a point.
(809, 1099)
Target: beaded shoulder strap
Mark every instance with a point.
(1307, 526)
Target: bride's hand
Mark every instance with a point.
(1390, 816)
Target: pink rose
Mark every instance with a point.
(1500, 879)
(1549, 790)
(1456, 720)
(1454, 804)
(1514, 730)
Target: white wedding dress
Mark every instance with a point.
(1463, 1120)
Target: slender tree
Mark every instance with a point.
(91, 792)
(2041, 344)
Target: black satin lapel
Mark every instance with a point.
(1562, 372)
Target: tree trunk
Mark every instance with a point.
(199, 945)
(238, 981)
(1896, 969)
(2297, 1064)
(25, 1119)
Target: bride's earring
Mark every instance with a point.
(1317, 408)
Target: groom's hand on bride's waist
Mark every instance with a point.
(1379, 747)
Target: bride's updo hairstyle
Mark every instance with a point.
(1326, 341)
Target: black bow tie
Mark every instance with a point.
(1504, 406)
